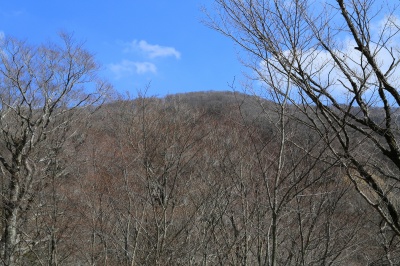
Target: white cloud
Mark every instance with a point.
(127, 67)
(152, 50)
(131, 65)
(320, 65)
(144, 67)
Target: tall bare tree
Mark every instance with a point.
(43, 90)
(341, 58)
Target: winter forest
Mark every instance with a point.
(299, 166)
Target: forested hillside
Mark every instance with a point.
(190, 180)
(305, 170)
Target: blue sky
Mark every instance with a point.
(138, 42)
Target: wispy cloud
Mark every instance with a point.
(127, 67)
(322, 68)
(139, 58)
(152, 50)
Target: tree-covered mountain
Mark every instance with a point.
(89, 177)
(190, 180)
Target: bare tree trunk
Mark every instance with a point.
(10, 231)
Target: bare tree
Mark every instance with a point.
(168, 145)
(141, 163)
(341, 59)
(43, 89)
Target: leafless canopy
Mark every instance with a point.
(43, 91)
(338, 62)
